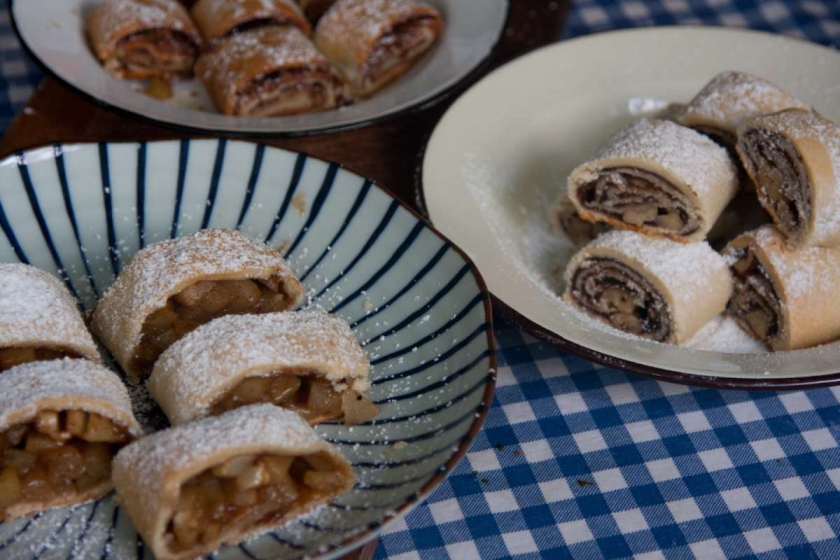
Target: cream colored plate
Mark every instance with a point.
(500, 157)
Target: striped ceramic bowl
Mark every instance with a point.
(412, 298)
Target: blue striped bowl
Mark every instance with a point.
(416, 302)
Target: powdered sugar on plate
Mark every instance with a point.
(723, 334)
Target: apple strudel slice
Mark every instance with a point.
(140, 39)
(793, 158)
(784, 296)
(658, 178)
(39, 319)
(307, 361)
(171, 287)
(651, 287)
(61, 422)
(220, 480)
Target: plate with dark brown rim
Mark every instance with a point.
(499, 159)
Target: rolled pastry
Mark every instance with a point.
(139, 39)
(565, 220)
(793, 158)
(647, 286)
(192, 488)
(171, 287)
(61, 422)
(39, 319)
(309, 362)
(786, 297)
(730, 98)
(270, 72)
(658, 178)
(375, 42)
(314, 9)
(219, 18)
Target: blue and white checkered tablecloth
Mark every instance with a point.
(582, 461)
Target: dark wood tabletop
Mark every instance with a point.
(388, 152)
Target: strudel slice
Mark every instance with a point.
(218, 481)
(171, 287)
(307, 361)
(658, 178)
(651, 287)
(39, 319)
(140, 39)
(61, 422)
(785, 296)
(793, 158)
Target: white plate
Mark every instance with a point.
(500, 157)
(54, 33)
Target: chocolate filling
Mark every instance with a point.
(406, 42)
(14, 356)
(640, 198)
(286, 92)
(754, 303)
(621, 297)
(159, 51)
(780, 177)
(257, 24)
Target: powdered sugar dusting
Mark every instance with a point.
(114, 17)
(723, 334)
(219, 17)
(685, 153)
(36, 309)
(195, 370)
(368, 20)
(732, 97)
(162, 269)
(800, 271)
(84, 384)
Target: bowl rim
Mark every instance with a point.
(359, 539)
(421, 103)
(518, 319)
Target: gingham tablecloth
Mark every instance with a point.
(582, 461)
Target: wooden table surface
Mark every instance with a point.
(389, 152)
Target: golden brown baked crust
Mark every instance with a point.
(60, 385)
(688, 177)
(164, 269)
(37, 311)
(793, 159)
(374, 42)
(798, 289)
(272, 71)
(149, 473)
(218, 18)
(160, 29)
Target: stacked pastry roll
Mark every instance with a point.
(241, 378)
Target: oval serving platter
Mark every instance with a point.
(490, 176)
(412, 298)
(54, 34)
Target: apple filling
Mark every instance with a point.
(55, 455)
(247, 490)
(13, 356)
(201, 303)
(312, 397)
